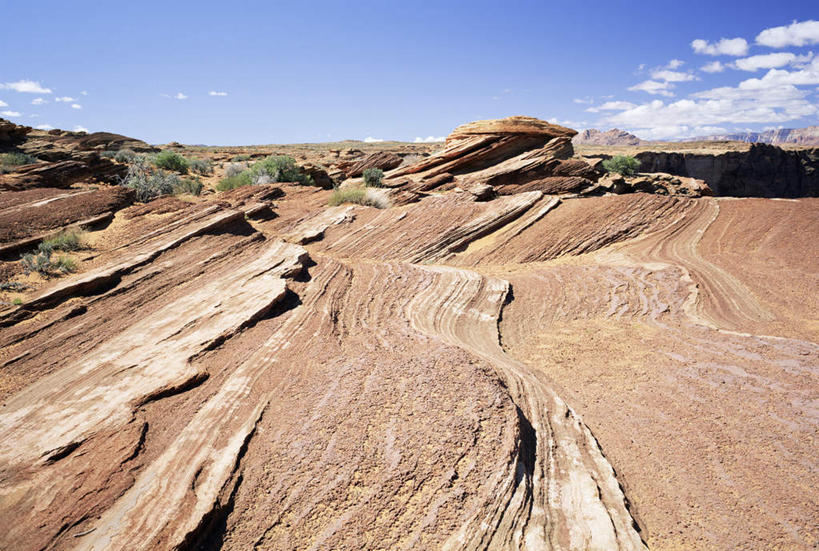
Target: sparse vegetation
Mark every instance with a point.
(622, 164)
(360, 196)
(240, 158)
(149, 182)
(192, 186)
(275, 168)
(17, 302)
(71, 240)
(125, 156)
(42, 263)
(13, 286)
(110, 154)
(171, 160)
(200, 166)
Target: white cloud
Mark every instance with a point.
(11, 114)
(3, 103)
(26, 86)
(212, 93)
(429, 139)
(725, 46)
(795, 34)
(713, 67)
(370, 139)
(44, 127)
(84, 93)
(76, 106)
(65, 99)
(672, 76)
(653, 87)
(582, 101)
(38, 101)
(79, 128)
(675, 64)
(612, 106)
(768, 61)
(180, 95)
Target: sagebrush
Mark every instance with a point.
(622, 164)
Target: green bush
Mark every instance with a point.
(622, 164)
(200, 166)
(372, 177)
(66, 264)
(17, 302)
(39, 262)
(272, 169)
(171, 160)
(240, 158)
(232, 182)
(192, 186)
(147, 182)
(125, 156)
(16, 159)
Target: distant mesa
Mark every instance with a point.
(615, 136)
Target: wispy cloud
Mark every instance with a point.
(44, 127)
(65, 99)
(84, 93)
(76, 106)
(28, 86)
(583, 101)
(79, 128)
(38, 101)
(612, 106)
(3, 103)
(370, 139)
(429, 139)
(725, 46)
(796, 34)
(653, 87)
(212, 93)
(180, 95)
(672, 76)
(11, 113)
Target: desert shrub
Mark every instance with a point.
(14, 286)
(16, 159)
(234, 169)
(279, 168)
(65, 264)
(147, 182)
(39, 262)
(125, 156)
(360, 196)
(622, 164)
(110, 154)
(240, 158)
(372, 177)
(193, 186)
(272, 169)
(71, 240)
(171, 160)
(17, 302)
(200, 166)
(232, 182)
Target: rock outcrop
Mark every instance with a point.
(762, 171)
(514, 155)
(615, 136)
(383, 160)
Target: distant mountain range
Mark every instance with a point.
(799, 136)
(615, 136)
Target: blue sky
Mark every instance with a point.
(329, 70)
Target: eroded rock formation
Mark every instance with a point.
(495, 365)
